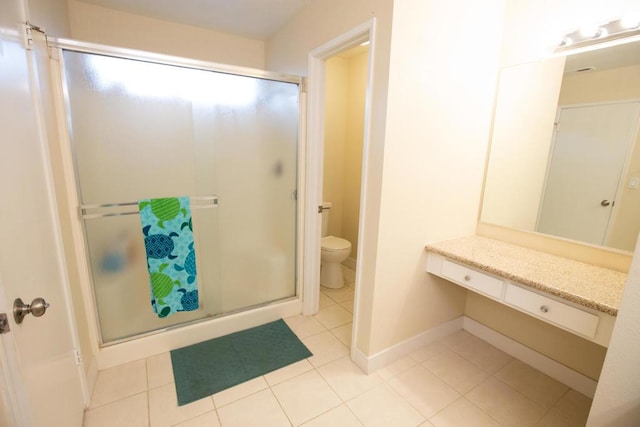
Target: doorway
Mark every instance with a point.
(315, 153)
(345, 95)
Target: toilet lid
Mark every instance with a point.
(331, 243)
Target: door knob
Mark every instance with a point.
(37, 308)
(605, 203)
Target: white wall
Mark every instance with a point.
(52, 15)
(433, 155)
(335, 140)
(343, 142)
(287, 51)
(111, 27)
(617, 398)
(358, 69)
(444, 63)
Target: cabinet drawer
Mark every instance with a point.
(472, 279)
(552, 311)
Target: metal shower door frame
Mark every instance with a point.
(56, 47)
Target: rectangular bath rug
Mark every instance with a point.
(208, 367)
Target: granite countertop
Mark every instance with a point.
(584, 284)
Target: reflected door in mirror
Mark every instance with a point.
(589, 153)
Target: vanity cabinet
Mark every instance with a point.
(583, 321)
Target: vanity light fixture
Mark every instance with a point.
(589, 35)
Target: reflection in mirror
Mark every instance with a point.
(565, 151)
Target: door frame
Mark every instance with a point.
(625, 168)
(315, 160)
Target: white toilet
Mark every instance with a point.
(334, 251)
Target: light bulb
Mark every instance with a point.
(590, 31)
(630, 21)
(565, 42)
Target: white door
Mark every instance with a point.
(41, 382)
(588, 156)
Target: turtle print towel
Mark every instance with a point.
(171, 258)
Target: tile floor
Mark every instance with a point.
(459, 380)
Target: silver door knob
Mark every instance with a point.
(605, 203)
(37, 308)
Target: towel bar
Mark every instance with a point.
(197, 202)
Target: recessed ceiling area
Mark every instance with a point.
(257, 19)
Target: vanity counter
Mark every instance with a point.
(587, 285)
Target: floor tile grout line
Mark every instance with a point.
(275, 396)
(115, 401)
(462, 396)
(555, 403)
(406, 400)
(511, 358)
(522, 394)
(452, 385)
(194, 417)
(513, 390)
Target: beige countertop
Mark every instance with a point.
(584, 284)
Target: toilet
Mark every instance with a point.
(334, 251)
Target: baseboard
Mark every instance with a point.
(544, 364)
(371, 363)
(350, 262)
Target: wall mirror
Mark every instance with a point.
(565, 150)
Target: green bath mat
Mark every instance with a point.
(211, 366)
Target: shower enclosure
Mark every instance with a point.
(228, 140)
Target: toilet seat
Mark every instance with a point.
(331, 244)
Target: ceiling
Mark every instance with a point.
(257, 19)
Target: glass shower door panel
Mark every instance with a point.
(146, 130)
(132, 137)
(121, 282)
(252, 132)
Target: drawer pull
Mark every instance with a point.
(467, 278)
(544, 308)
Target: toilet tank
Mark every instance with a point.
(326, 209)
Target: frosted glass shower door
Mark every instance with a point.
(251, 133)
(147, 130)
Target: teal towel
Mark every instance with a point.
(171, 257)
